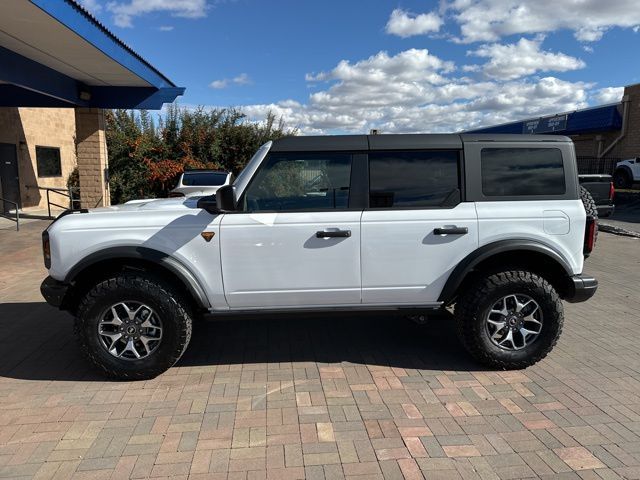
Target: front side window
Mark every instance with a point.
(48, 160)
(290, 182)
(413, 179)
(522, 171)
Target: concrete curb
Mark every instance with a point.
(617, 230)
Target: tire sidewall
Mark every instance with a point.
(132, 289)
(551, 321)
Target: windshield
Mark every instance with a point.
(245, 175)
(199, 179)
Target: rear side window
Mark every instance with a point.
(413, 179)
(522, 171)
(200, 179)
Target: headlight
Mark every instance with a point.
(46, 249)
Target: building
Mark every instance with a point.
(602, 135)
(59, 68)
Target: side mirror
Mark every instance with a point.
(226, 198)
(223, 201)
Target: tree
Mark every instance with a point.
(145, 160)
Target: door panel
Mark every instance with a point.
(276, 259)
(9, 175)
(404, 260)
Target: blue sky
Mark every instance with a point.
(411, 66)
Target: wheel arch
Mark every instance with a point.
(535, 256)
(115, 259)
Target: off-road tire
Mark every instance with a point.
(172, 308)
(479, 297)
(589, 207)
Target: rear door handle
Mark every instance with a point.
(333, 234)
(451, 230)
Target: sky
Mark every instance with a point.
(400, 67)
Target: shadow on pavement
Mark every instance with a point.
(37, 342)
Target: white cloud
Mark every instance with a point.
(242, 79)
(515, 60)
(165, 28)
(125, 11)
(608, 95)
(91, 5)
(415, 91)
(489, 20)
(406, 24)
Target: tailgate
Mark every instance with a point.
(598, 186)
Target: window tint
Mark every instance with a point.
(48, 160)
(199, 179)
(522, 171)
(413, 179)
(288, 182)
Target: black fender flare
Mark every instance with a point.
(486, 251)
(174, 266)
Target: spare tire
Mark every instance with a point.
(589, 206)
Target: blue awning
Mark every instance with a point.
(56, 54)
(597, 119)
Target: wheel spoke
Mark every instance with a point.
(130, 347)
(508, 338)
(145, 339)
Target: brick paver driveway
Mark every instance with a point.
(357, 397)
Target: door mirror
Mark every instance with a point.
(223, 201)
(226, 198)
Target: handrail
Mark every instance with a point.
(65, 192)
(4, 200)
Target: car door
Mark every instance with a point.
(296, 241)
(417, 228)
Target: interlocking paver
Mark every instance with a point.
(360, 397)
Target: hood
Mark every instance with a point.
(180, 203)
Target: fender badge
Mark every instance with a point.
(208, 235)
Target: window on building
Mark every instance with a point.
(414, 179)
(48, 160)
(522, 171)
(290, 182)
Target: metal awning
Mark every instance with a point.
(56, 54)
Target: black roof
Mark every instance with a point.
(398, 141)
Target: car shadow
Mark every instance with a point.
(37, 342)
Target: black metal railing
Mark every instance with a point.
(4, 200)
(591, 165)
(73, 201)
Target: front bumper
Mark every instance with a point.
(582, 288)
(53, 291)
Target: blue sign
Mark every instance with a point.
(546, 125)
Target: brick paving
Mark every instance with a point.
(361, 397)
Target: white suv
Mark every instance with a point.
(200, 182)
(627, 172)
(492, 224)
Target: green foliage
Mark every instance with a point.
(145, 160)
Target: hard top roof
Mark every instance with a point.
(398, 141)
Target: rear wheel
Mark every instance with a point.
(510, 319)
(133, 326)
(621, 179)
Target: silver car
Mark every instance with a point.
(200, 182)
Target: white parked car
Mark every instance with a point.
(200, 182)
(492, 224)
(627, 172)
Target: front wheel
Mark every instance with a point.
(510, 319)
(621, 179)
(133, 326)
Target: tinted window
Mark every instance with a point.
(199, 179)
(300, 182)
(413, 179)
(48, 160)
(522, 171)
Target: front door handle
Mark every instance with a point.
(333, 234)
(451, 230)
